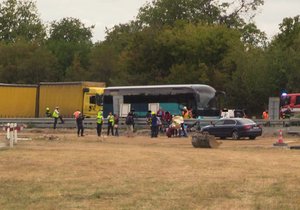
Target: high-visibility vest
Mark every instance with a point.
(111, 119)
(99, 118)
(55, 114)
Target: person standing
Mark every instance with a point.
(116, 124)
(265, 115)
(99, 123)
(110, 124)
(76, 114)
(154, 125)
(129, 124)
(79, 122)
(48, 113)
(56, 115)
(185, 113)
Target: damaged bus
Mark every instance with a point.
(203, 100)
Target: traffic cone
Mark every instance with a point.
(280, 141)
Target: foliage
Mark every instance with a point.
(167, 12)
(69, 38)
(70, 30)
(170, 42)
(19, 19)
(19, 63)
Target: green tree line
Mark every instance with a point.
(169, 42)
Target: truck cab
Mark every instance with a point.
(92, 101)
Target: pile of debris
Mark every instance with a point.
(200, 140)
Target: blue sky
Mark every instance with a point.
(107, 13)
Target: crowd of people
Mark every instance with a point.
(158, 122)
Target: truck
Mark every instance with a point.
(20, 101)
(289, 104)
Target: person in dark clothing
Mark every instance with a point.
(154, 125)
(48, 113)
(129, 124)
(148, 117)
(79, 122)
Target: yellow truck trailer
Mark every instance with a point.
(18, 100)
(27, 101)
(71, 96)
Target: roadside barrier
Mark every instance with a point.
(140, 123)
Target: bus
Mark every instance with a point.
(203, 100)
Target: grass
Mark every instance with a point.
(141, 173)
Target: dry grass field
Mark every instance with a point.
(145, 173)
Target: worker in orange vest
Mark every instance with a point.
(185, 113)
(265, 115)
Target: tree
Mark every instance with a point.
(103, 62)
(186, 53)
(23, 62)
(289, 31)
(75, 72)
(19, 19)
(283, 56)
(70, 30)
(168, 12)
(70, 37)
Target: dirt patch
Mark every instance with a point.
(146, 173)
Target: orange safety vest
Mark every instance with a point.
(265, 115)
(185, 114)
(76, 114)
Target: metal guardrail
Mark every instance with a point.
(139, 122)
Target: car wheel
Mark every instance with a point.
(235, 135)
(252, 137)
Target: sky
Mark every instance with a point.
(107, 13)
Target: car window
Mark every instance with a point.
(220, 122)
(246, 121)
(229, 122)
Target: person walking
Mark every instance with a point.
(99, 123)
(56, 115)
(116, 124)
(79, 122)
(110, 124)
